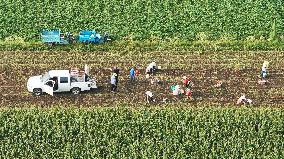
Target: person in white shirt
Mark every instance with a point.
(154, 66)
(151, 68)
(244, 100)
(264, 72)
(149, 97)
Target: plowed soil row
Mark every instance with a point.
(204, 71)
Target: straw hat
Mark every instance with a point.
(184, 77)
(265, 64)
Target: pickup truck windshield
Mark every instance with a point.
(45, 77)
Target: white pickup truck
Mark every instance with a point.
(60, 81)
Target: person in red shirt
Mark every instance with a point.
(187, 82)
(188, 93)
(137, 73)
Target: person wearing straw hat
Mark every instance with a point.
(264, 72)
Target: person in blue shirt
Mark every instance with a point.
(132, 74)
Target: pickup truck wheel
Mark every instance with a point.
(37, 91)
(76, 90)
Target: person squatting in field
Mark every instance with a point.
(113, 82)
(219, 84)
(187, 82)
(177, 90)
(188, 93)
(244, 100)
(151, 68)
(149, 97)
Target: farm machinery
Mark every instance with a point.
(56, 37)
(85, 36)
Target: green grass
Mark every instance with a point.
(142, 132)
(192, 20)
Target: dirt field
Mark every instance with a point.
(239, 70)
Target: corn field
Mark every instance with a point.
(187, 19)
(142, 133)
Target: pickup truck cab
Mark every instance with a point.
(60, 81)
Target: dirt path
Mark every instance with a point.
(14, 90)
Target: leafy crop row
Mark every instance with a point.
(188, 19)
(143, 133)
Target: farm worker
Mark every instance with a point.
(244, 100)
(132, 74)
(87, 69)
(178, 91)
(187, 82)
(218, 84)
(113, 82)
(264, 70)
(137, 73)
(106, 37)
(188, 93)
(172, 87)
(87, 72)
(149, 69)
(149, 97)
(241, 100)
(116, 71)
(154, 66)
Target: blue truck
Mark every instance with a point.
(56, 37)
